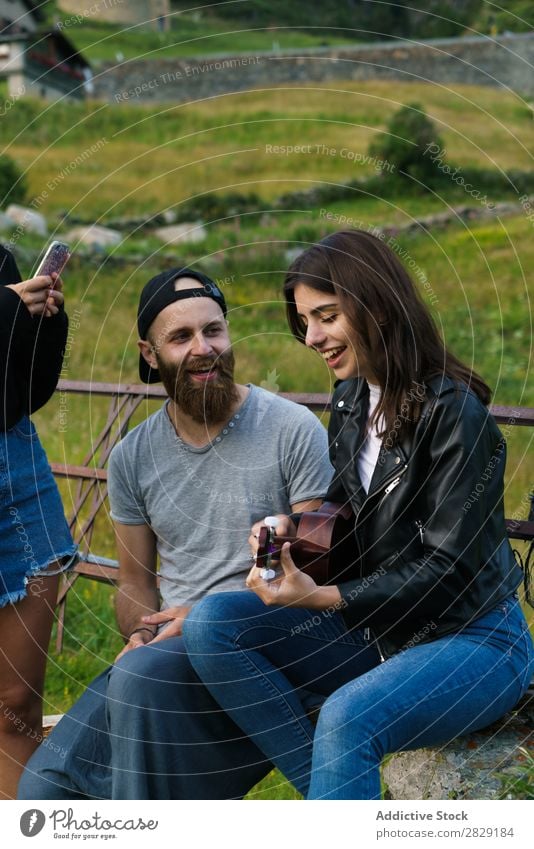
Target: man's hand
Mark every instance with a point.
(285, 528)
(139, 638)
(38, 296)
(174, 616)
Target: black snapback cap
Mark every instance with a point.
(158, 293)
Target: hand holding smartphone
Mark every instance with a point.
(45, 299)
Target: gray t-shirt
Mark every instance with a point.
(201, 502)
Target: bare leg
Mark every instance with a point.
(24, 636)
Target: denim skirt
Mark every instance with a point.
(33, 529)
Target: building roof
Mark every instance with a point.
(13, 21)
(65, 47)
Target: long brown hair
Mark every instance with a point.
(393, 327)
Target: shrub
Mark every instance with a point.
(13, 188)
(212, 207)
(409, 135)
(500, 183)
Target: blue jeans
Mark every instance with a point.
(33, 528)
(145, 729)
(256, 661)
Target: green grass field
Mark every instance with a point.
(98, 161)
(151, 159)
(470, 273)
(189, 37)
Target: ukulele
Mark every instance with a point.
(324, 546)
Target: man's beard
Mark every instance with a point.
(211, 402)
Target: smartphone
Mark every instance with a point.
(55, 259)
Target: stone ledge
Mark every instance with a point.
(468, 768)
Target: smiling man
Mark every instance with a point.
(185, 487)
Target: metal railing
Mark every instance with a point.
(90, 476)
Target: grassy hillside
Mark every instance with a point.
(146, 160)
(104, 161)
(514, 16)
(481, 305)
(194, 31)
(100, 42)
(97, 161)
(257, 25)
(482, 298)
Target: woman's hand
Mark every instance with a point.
(294, 588)
(38, 296)
(285, 528)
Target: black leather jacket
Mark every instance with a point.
(431, 543)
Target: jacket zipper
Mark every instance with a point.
(389, 488)
(389, 484)
(370, 637)
(380, 652)
(420, 527)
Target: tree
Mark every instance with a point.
(13, 187)
(410, 144)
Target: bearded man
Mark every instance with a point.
(185, 486)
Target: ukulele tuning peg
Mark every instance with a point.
(271, 521)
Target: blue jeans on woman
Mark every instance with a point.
(258, 661)
(33, 528)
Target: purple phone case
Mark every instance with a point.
(54, 259)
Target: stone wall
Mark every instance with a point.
(505, 62)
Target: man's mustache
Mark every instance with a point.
(201, 364)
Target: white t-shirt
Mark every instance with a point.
(370, 449)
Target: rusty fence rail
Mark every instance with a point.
(90, 477)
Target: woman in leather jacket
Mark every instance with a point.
(426, 640)
(36, 544)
